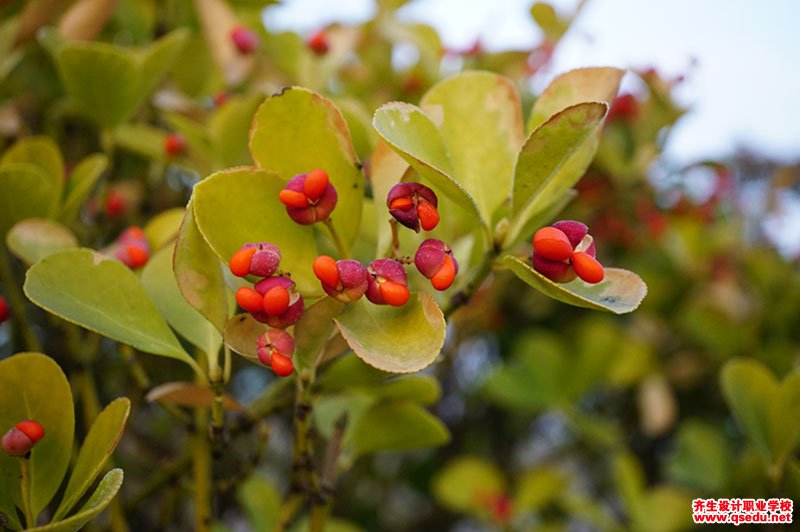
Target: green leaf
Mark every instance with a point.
(109, 83)
(241, 333)
(95, 452)
(314, 329)
(703, 458)
(141, 139)
(465, 481)
(762, 407)
(398, 426)
(260, 501)
(28, 192)
(544, 171)
(415, 137)
(396, 339)
(480, 119)
(241, 205)
(100, 499)
(537, 488)
(104, 296)
(159, 282)
(198, 273)
(32, 386)
(102, 79)
(548, 20)
(598, 84)
(298, 130)
(157, 59)
(163, 228)
(39, 151)
(229, 129)
(620, 292)
(35, 238)
(80, 185)
(421, 389)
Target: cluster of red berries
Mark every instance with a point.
(273, 300)
(132, 248)
(564, 251)
(310, 198)
(245, 40)
(5, 312)
(21, 438)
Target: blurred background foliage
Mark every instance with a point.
(561, 418)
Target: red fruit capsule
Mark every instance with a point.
(115, 204)
(315, 184)
(249, 299)
(245, 40)
(443, 279)
(293, 199)
(281, 365)
(394, 294)
(240, 261)
(552, 243)
(32, 429)
(428, 215)
(326, 270)
(587, 267)
(276, 301)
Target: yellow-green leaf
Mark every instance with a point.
(32, 386)
(480, 120)
(241, 205)
(621, 291)
(415, 137)
(298, 130)
(102, 295)
(95, 452)
(35, 238)
(396, 339)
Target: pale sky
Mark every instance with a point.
(743, 89)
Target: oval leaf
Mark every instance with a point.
(481, 124)
(35, 238)
(96, 450)
(597, 84)
(414, 136)
(80, 184)
(399, 340)
(397, 426)
(102, 295)
(464, 481)
(32, 386)
(100, 499)
(159, 282)
(241, 205)
(544, 155)
(198, 273)
(621, 291)
(190, 395)
(298, 130)
(28, 192)
(241, 334)
(39, 151)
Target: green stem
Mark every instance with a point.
(136, 369)
(201, 453)
(341, 245)
(463, 296)
(319, 513)
(291, 505)
(25, 487)
(17, 300)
